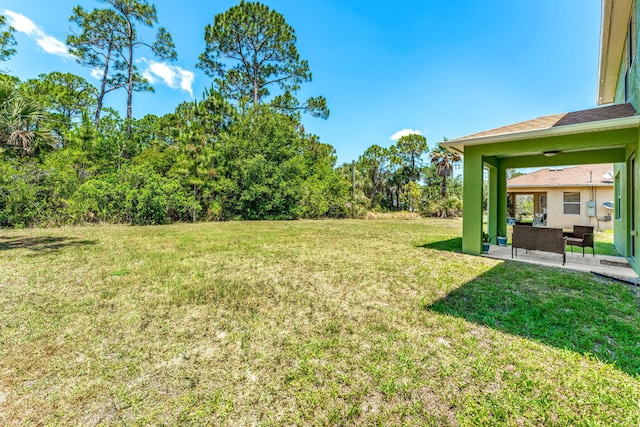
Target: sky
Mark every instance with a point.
(444, 68)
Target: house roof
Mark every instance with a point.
(563, 119)
(594, 119)
(600, 175)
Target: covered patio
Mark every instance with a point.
(613, 267)
(599, 135)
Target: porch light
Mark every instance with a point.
(550, 153)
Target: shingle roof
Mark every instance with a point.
(583, 175)
(615, 111)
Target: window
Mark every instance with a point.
(630, 50)
(626, 85)
(571, 203)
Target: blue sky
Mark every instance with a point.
(441, 68)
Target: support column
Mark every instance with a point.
(492, 203)
(472, 202)
(502, 201)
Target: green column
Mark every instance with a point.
(492, 203)
(502, 201)
(472, 202)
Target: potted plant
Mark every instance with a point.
(502, 241)
(486, 242)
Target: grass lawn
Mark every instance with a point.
(346, 322)
(603, 242)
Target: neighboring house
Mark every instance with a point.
(567, 196)
(609, 134)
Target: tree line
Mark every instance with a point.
(240, 152)
(397, 178)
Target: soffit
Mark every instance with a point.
(615, 20)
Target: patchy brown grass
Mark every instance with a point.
(308, 322)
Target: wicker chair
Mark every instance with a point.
(582, 237)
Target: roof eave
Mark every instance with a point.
(602, 125)
(615, 19)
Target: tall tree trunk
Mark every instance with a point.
(130, 41)
(413, 167)
(195, 190)
(373, 190)
(443, 188)
(256, 81)
(103, 90)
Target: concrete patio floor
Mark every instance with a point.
(614, 267)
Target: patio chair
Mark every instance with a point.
(582, 237)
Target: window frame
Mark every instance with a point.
(630, 50)
(566, 204)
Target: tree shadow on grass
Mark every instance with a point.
(41, 244)
(566, 310)
(451, 245)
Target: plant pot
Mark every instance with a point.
(502, 241)
(485, 247)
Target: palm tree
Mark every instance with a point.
(21, 122)
(444, 160)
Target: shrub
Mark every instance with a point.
(136, 195)
(443, 208)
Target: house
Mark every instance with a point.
(566, 196)
(608, 134)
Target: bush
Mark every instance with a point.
(135, 195)
(443, 208)
(323, 196)
(30, 194)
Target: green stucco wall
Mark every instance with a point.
(622, 225)
(634, 88)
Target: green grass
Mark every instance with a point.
(603, 242)
(379, 322)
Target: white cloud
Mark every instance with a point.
(48, 43)
(186, 81)
(404, 132)
(53, 46)
(97, 73)
(149, 76)
(21, 23)
(171, 75)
